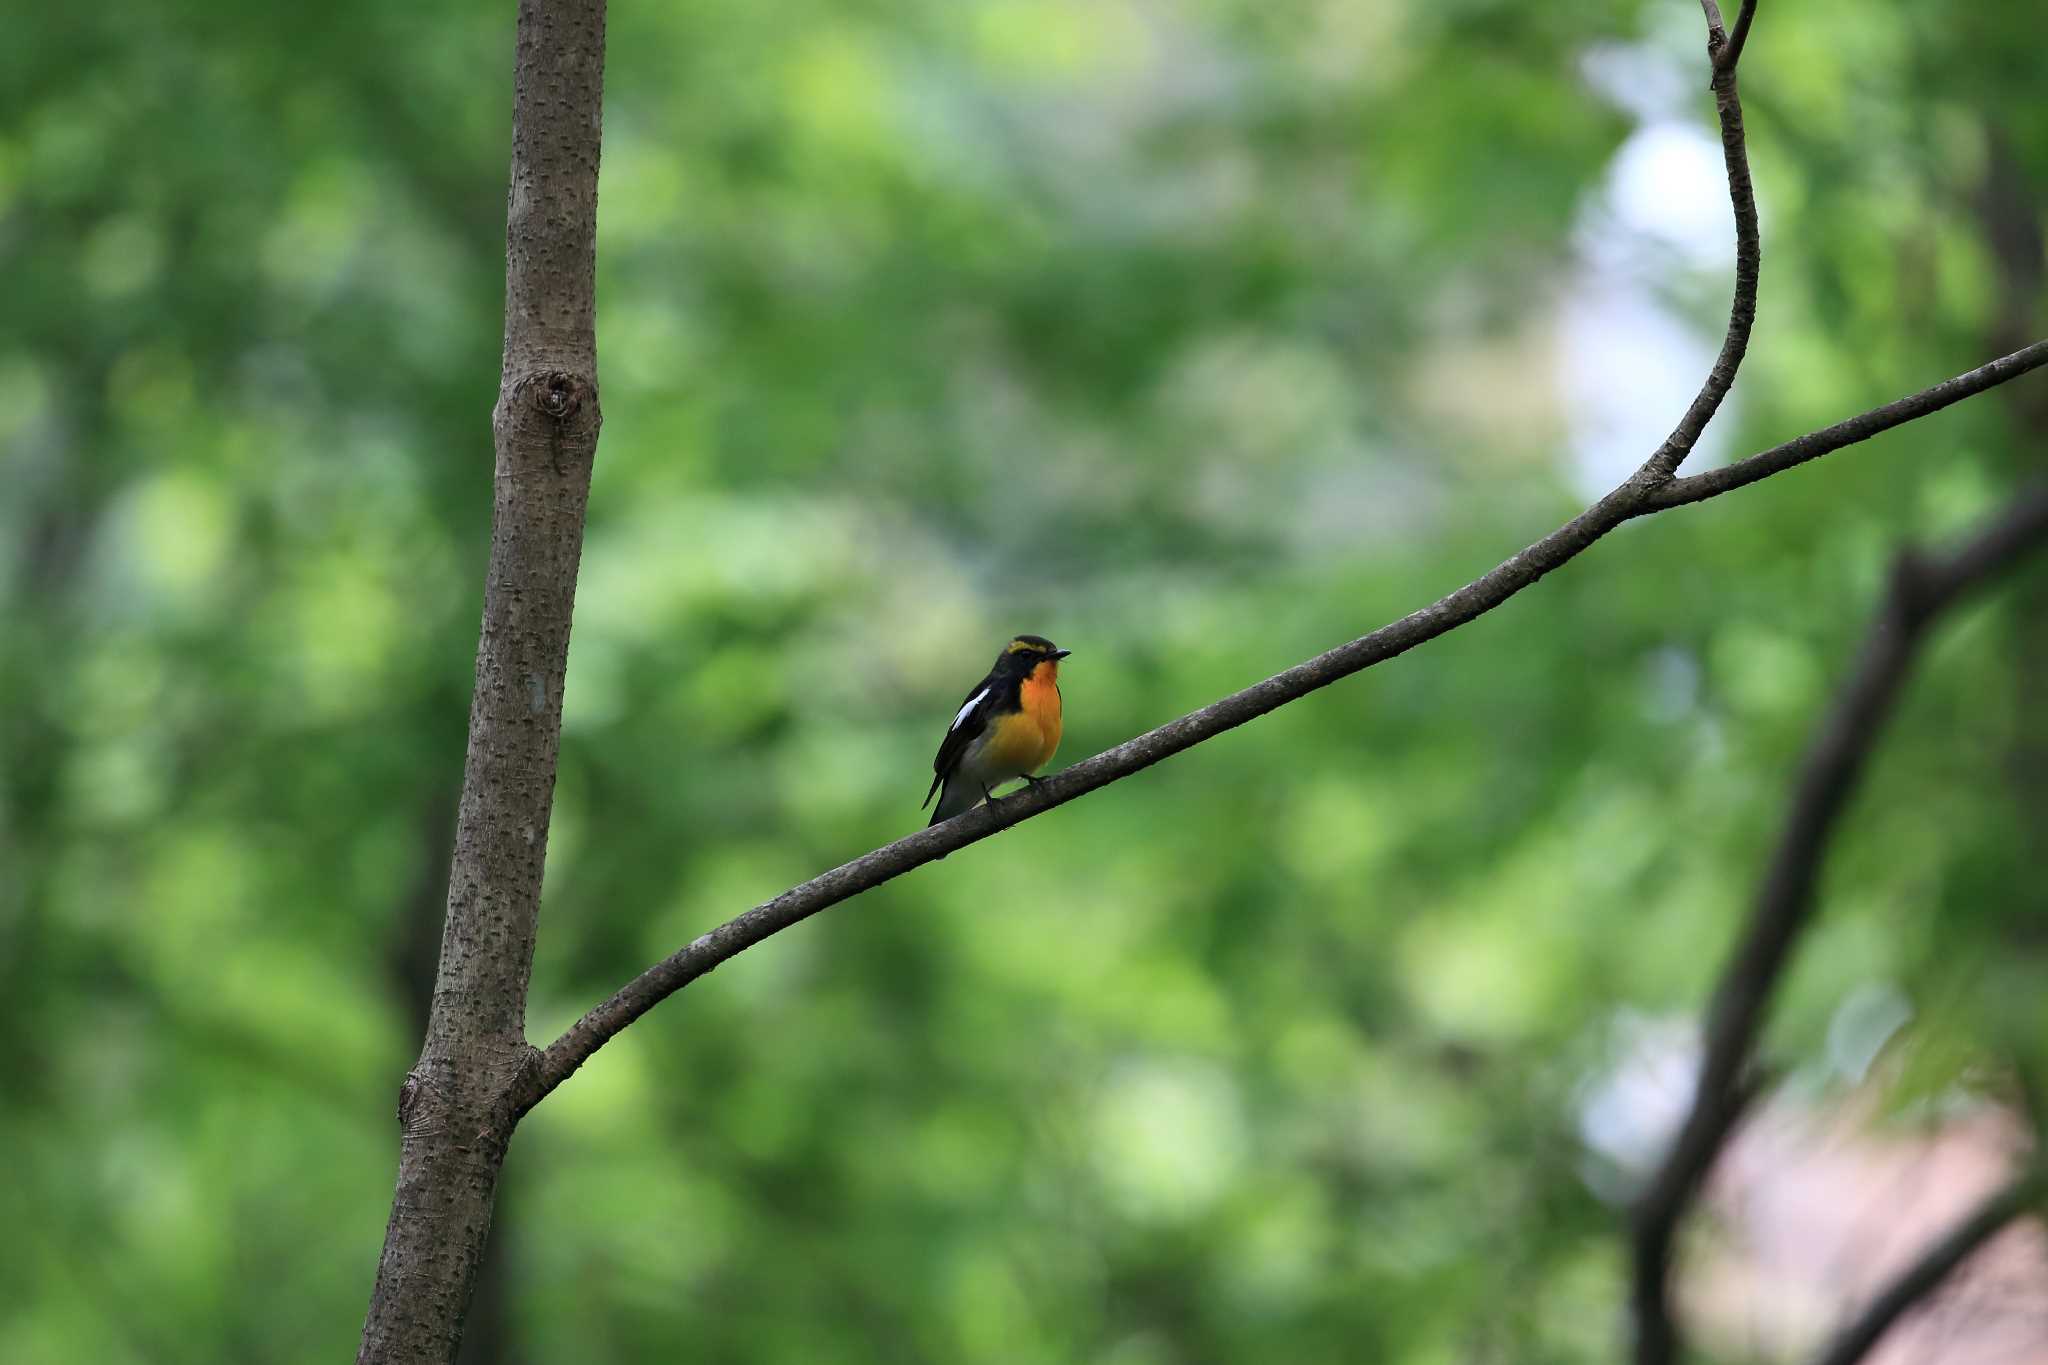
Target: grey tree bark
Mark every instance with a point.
(458, 1104)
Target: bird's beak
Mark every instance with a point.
(1059, 654)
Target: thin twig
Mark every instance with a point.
(1748, 265)
(1934, 1266)
(1921, 588)
(1732, 53)
(1714, 482)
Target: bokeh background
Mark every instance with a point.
(1196, 334)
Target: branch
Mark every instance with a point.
(1921, 589)
(1732, 53)
(562, 1057)
(599, 1025)
(1813, 445)
(1646, 491)
(1934, 1266)
(1748, 261)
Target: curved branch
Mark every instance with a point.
(589, 1033)
(1748, 261)
(1921, 589)
(1935, 1265)
(562, 1057)
(1644, 492)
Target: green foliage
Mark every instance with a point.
(1199, 337)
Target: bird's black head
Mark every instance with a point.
(1026, 652)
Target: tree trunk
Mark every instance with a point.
(460, 1101)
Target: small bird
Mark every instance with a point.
(1008, 727)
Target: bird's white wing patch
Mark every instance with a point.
(968, 709)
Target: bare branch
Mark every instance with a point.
(1813, 445)
(1921, 588)
(561, 1057)
(1732, 53)
(1646, 491)
(1748, 262)
(589, 1033)
(1935, 1265)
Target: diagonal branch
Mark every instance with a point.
(1927, 1274)
(1732, 53)
(1921, 589)
(589, 1033)
(1813, 445)
(562, 1057)
(1646, 491)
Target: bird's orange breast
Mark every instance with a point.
(1023, 740)
(1039, 698)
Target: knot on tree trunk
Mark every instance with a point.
(408, 1098)
(547, 419)
(557, 393)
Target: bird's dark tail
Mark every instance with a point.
(955, 796)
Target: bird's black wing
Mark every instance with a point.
(968, 723)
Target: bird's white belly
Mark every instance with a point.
(984, 764)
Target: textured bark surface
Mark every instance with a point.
(456, 1108)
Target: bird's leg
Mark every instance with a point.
(1029, 780)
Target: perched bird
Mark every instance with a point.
(1008, 727)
